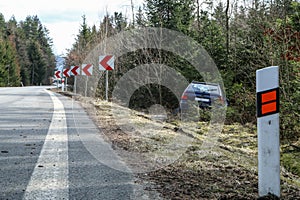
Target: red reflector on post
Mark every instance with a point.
(268, 108)
(269, 96)
(268, 102)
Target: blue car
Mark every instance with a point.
(202, 94)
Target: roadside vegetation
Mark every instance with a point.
(240, 36)
(227, 170)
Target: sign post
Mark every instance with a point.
(87, 70)
(66, 73)
(63, 84)
(106, 63)
(75, 71)
(267, 90)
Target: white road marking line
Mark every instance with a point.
(49, 179)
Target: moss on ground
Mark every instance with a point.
(291, 161)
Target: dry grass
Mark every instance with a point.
(226, 170)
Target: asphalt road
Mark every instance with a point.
(51, 149)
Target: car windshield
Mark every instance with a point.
(202, 88)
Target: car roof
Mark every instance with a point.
(204, 83)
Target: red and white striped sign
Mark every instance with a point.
(57, 74)
(66, 72)
(75, 70)
(106, 62)
(87, 70)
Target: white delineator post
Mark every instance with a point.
(267, 89)
(63, 84)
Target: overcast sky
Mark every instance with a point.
(63, 17)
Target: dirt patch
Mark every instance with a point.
(226, 171)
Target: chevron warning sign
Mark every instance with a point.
(106, 62)
(87, 70)
(75, 70)
(66, 72)
(57, 74)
